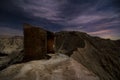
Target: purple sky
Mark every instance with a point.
(96, 17)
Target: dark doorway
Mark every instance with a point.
(50, 42)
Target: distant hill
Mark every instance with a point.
(11, 50)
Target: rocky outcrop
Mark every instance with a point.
(67, 42)
(9, 45)
(11, 50)
(101, 56)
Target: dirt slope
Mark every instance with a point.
(102, 56)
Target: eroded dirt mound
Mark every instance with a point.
(102, 56)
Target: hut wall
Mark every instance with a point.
(35, 43)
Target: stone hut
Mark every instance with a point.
(37, 43)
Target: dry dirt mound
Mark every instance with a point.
(102, 56)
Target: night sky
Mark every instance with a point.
(96, 17)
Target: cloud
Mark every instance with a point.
(84, 19)
(10, 31)
(56, 15)
(101, 32)
(48, 9)
(108, 33)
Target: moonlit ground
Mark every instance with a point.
(59, 67)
